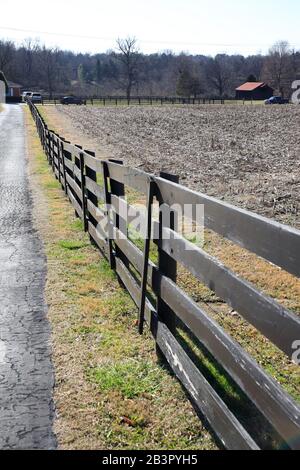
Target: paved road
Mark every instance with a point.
(26, 374)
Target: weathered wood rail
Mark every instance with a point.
(80, 173)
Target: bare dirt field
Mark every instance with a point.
(246, 155)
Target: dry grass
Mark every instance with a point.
(111, 391)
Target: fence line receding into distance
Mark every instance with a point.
(153, 100)
(91, 185)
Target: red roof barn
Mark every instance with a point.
(254, 91)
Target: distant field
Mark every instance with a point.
(248, 155)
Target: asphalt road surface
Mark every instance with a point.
(26, 374)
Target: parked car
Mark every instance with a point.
(35, 97)
(72, 100)
(25, 95)
(276, 100)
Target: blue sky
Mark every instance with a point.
(196, 26)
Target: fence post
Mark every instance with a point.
(52, 152)
(83, 193)
(77, 163)
(47, 144)
(63, 165)
(44, 127)
(118, 189)
(107, 195)
(58, 157)
(90, 196)
(166, 265)
(56, 147)
(144, 273)
(68, 156)
(50, 149)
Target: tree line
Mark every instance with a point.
(126, 70)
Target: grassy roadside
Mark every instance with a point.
(111, 392)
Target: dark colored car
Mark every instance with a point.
(276, 100)
(71, 100)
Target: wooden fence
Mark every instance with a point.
(149, 100)
(78, 172)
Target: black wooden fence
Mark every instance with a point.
(147, 100)
(78, 172)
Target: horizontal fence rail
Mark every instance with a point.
(93, 185)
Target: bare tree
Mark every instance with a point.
(28, 51)
(278, 67)
(189, 77)
(219, 73)
(56, 71)
(7, 49)
(254, 66)
(128, 55)
(50, 68)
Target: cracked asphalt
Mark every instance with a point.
(26, 373)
